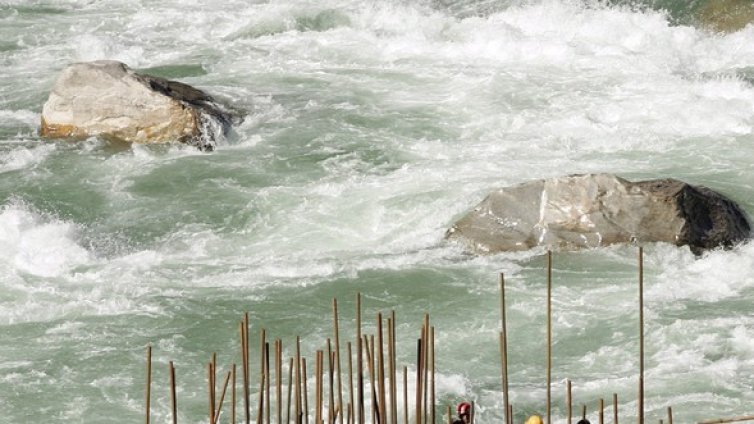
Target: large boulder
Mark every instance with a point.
(584, 211)
(107, 99)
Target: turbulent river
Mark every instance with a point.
(370, 126)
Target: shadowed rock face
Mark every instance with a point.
(585, 211)
(108, 99)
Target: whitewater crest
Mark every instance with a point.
(583, 211)
(107, 99)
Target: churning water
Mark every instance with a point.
(370, 126)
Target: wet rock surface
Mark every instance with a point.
(586, 211)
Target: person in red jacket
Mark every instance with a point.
(463, 410)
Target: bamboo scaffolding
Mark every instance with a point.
(148, 391)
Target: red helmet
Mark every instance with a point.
(463, 408)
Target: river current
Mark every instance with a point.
(369, 127)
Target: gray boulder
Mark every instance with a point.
(585, 211)
(107, 99)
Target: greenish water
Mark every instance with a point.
(369, 128)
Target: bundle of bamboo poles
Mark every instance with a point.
(371, 386)
(380, 403)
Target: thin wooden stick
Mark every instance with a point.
(405, 395)
(432, 370)
(222, 398)
(359, 362)
(233, 396)
(267, 379)
(350, 382)
(173, 399)
(371, 363)
(601, 416)
(263, 379)
(615, 408)
(279, 378)
(148, 394)
(214, 382)
(549, 336)
(290, 386)
(640, 403)
(510, 414)
(569, 401)
(209, 391)
(331, 382)
(297, 391)
(425, 368)
(381, 369)
(245, 366)
(337, 359)
(419, 367)
(450, 416)
(728, 420)
(305, 385)
(504, 346)
(393, 378)
(670, 415)
(318, 389)
(583, 412)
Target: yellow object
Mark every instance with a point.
(534, 419)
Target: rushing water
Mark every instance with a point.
(370, 126)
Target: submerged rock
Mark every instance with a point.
(584, 211)
(107, 99)
(726, 15)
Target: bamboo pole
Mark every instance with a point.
(279, 378)
(405, 395)
(473, 412)
(393, 377)
(641, 336)
(583, 412)
(267, 379)
(359, 362)
(209, 391)
(222, 398)
(245, 366)
(350, 383)
(370, 374)
(615, 408)
(290, 386)
(504, 346)
(371, 357)
(173, 399)
(297, 384)
(233, 396)
(305, 385)
(419, 366)
(601, 416)
(510, 414)
(214, 381)
(450, 416)
(381, 369)
(432, 370)
(425, 373)
(670, 415)
(728, 420)
(549, 336)
(263, 377)
(318, 388)
(337, 359)
(148, 394)
(569, 401)
(331, 383)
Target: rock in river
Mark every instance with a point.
(584, 211)
(107, 99)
